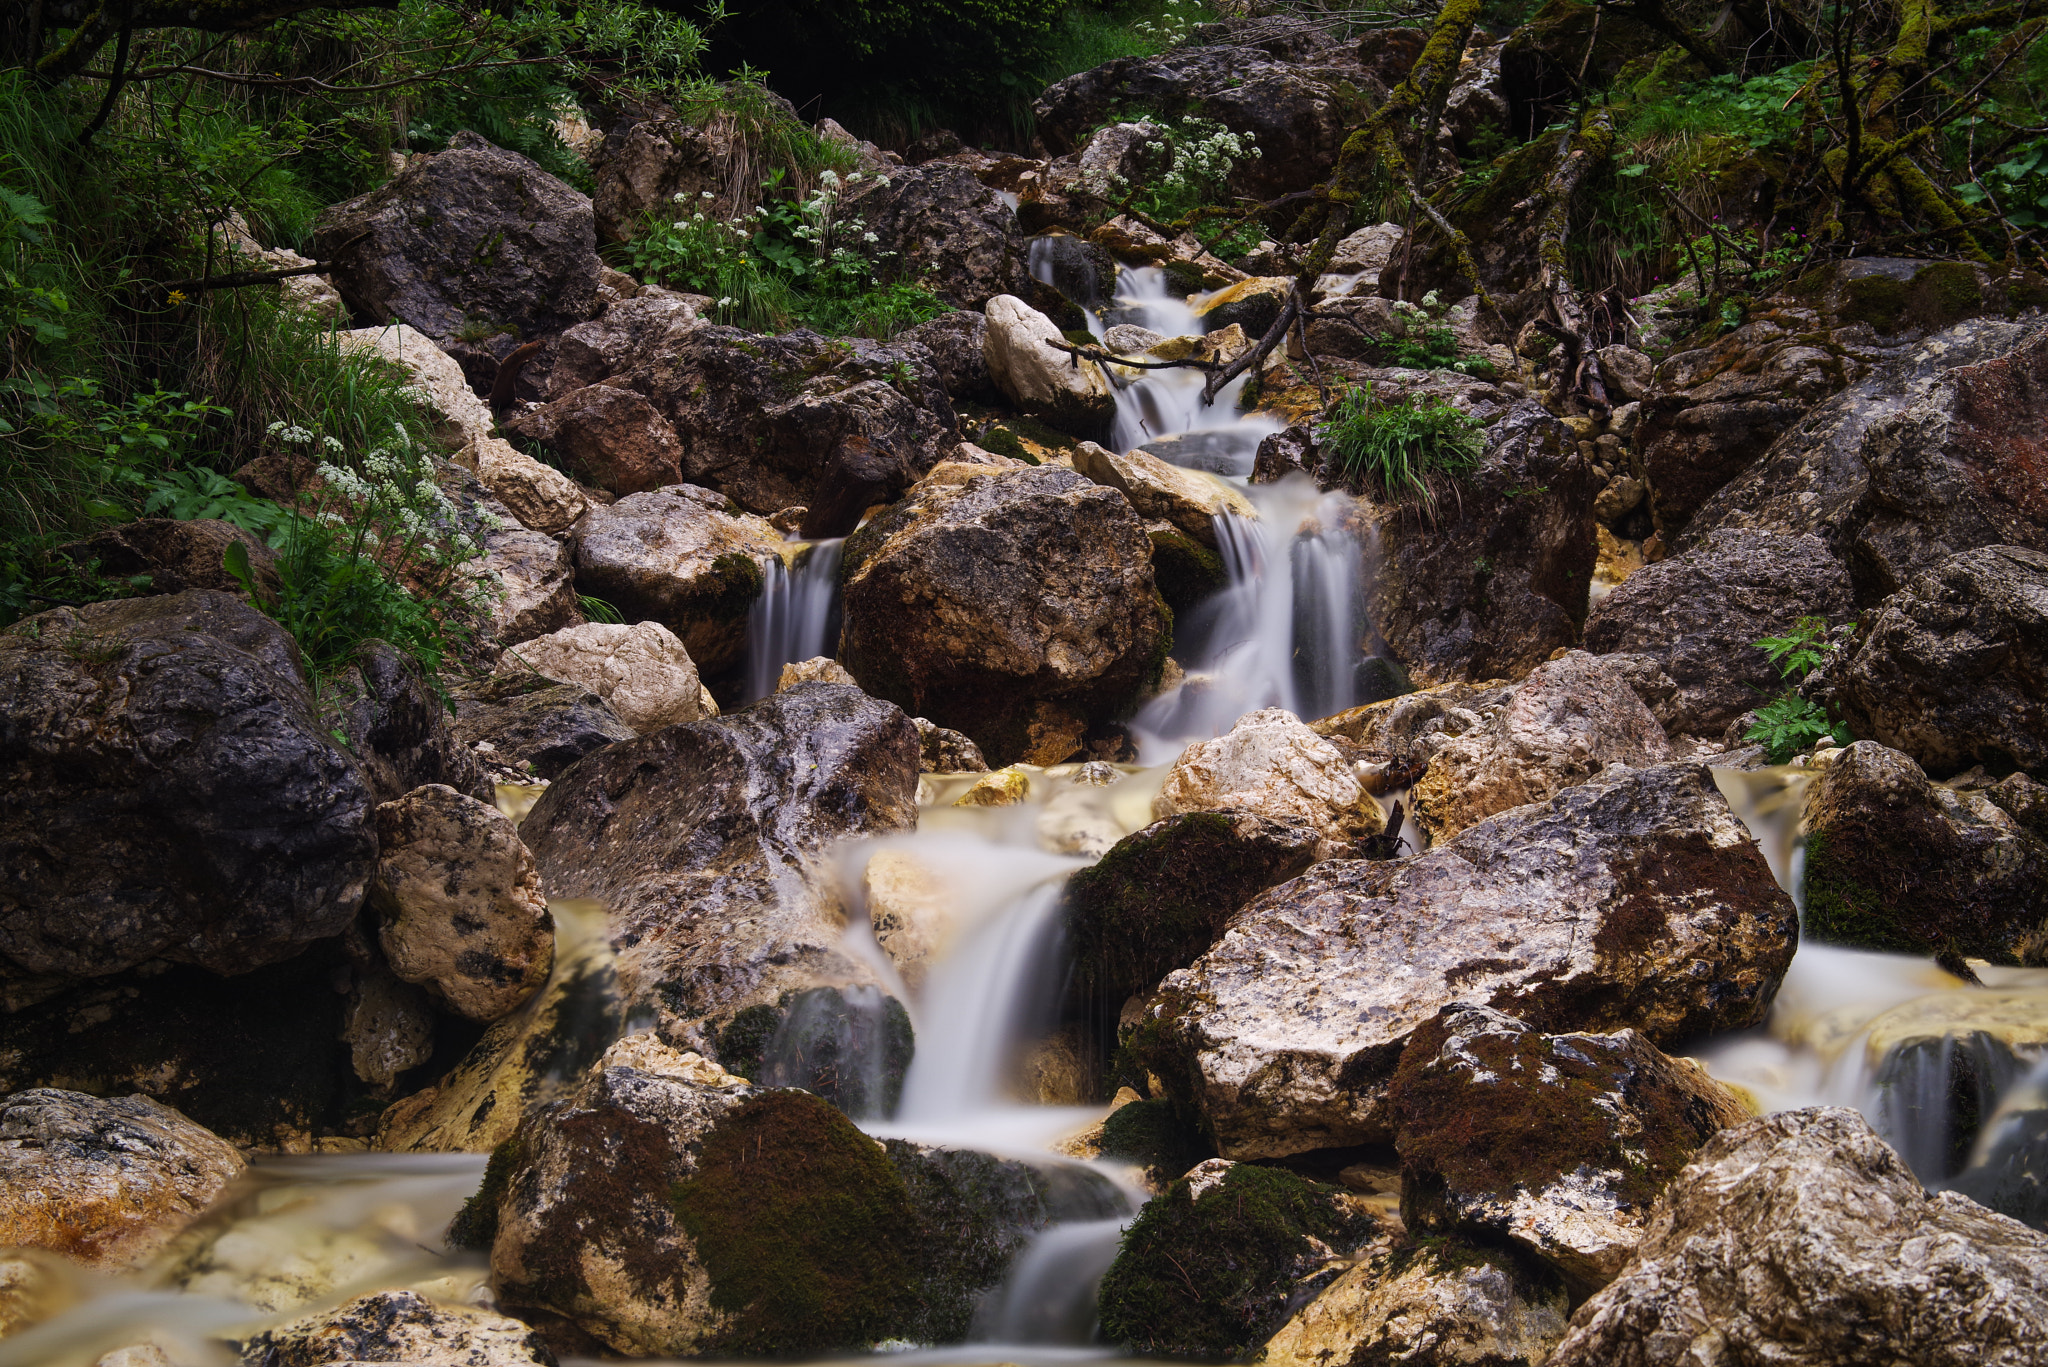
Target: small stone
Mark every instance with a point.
(820, 669)
(1003, 788)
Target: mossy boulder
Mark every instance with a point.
(850, 1046)
(1558, 1143)
(1154, 1135)
(1209, 1270)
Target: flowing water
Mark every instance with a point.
(797, 615)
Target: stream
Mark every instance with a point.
(1889, 1035)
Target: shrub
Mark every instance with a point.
(1400, 451)
(1790, 723)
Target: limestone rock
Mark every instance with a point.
(388, 1026)
(1270, 765)
(911, 910)
(700, 840)
(399, 1326)
(1950, 670)
(1253, 305)
(471, 235)
(1558, 1143)
(540, 496)
(615, 342)
(1700, 613)
(1016, 607)
(523, 725)
(396, 728)
(942, 751)
(945, 228)
(1568, 720)
(641, 671)
(1402, 733)
(1635, 900)
(1439, 1304)
(460, 902)
(107, 1181)
(458, 416)
(1189, 499)
(167, 792)
(611, 436)
(1896, 863)
(822, 669)
(955, 343)
(1801, 1238)
(1048, 384)
(531, 571)
(651, 161)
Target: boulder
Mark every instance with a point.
(1072, 395)
(641, 672)
(1700, 614)
(1570, 719)
(610, 436)
(651, 161)
(1160, 898)
(167, 791)
(1189, 499)
(681, 559)
(524, 726)
(458, 417)
(1635, 900)
(835, 425)
(1016, 607)
(819, 669)
(1270, 765)
(1932, 454)
(175, 555)
(1499, 578)
(399, 1326)
(1802, 1238)
(1400, 734)
(1555, 1143)
(613, 343)
(1209, 1269)
(944, 751)
(540, 496)
(396, 726)
(459, 903)
(1360, 257)
(1440, 1303)
(700, 840)
(531, 571)
(955, 341)
(1895, 863)
(108, 1181)
(388, 1026)
(473, 237)
(941, 228)
(1950, 670)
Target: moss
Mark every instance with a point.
(1877, 300)
(1943, 293)
(475, 1226)
(805, 1227)
(1003, 442)
(1186, 571)
(743, 1044)
(739, 582)
(1212, 1277)
(1153, 1133)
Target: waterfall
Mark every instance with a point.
(796, 617)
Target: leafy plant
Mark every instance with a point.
(1791, 723)
(1430, 344)
(1188, 166)
(1400, 451)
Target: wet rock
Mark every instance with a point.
(473, 236)
(911, 910)
(1951, 669)
(1700, 614)
(1498, 580)
(700, 840)
(641, 672)
(1443, 1303)
(459, 902)
(175, 555)
(400, 1326)
(610, 436)
(1253, 304)
(942, 751)
(1896, 863)
(1633, 901)
(946, 229)
(1016, 607)
(1270, 765)
(682, 558)
(1359, 259)
(1046, 383)
(837, 425)
(2024, 800)
(1159, 898)
(107, 1181)
(1802, 1237)
(1189, 499)
(167, 792)
(1558, 1143)
(397, 728)
(523, 726)
(1571, 718)
(955, 343)
(1404, 732)
(1930, 455)
(1208, 1270)
(821, 669)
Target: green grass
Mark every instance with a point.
(1400, 451)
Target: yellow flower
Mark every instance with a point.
(177, 296)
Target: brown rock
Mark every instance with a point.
(176, 555)
(612, 437)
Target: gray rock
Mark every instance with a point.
(651, 160)
(399, 1326)
(176, 555)
(955, 342)
(1632, 901)
(168, 792)
(1801, 1238)
(107, 1181)
(473, 236)
(1922, 459)
(1951, 668)
(522, 726)
(944, 229)
(397, 728)
(612, 343)
(1699, 615)
(1017, 608)
(700, 840)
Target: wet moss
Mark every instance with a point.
(1185, 570)
(739, 582)
(1877, 300)
(1152, 1133)
(806, 1229)
(1944, 292)
(1003, 442)
(475, 1226)
(743, 1044)
(1212, 1277)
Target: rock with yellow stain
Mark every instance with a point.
(1004, 788)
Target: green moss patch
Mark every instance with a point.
(475, 1226)
(1152, 1133)
(807, 1230)
(1212, 1277)
(1185, 570)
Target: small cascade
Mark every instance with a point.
(1050, 1295)
(797, 615)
